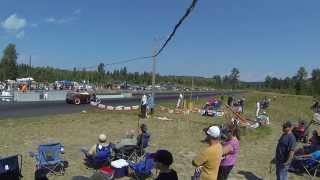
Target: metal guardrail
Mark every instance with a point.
(6, 98)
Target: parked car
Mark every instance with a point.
(78, 98)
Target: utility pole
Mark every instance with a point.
(153, 73)
(29, 75)
(191, 89)
(29, 66)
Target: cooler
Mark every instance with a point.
(120, 168)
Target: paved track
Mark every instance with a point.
(28, 109)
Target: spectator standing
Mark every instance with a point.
(144, 106)
(231, 148)
(241, 103)
(285, 151)
(208, 161)
(180, 100)
(257, 108)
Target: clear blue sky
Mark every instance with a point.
(259, 37)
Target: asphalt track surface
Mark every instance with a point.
(31, 109)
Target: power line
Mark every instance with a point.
(128, 60)
(187, 13)
(189, 10)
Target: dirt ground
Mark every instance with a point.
(181, 136)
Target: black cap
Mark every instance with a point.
(287, 125)
(163, 156)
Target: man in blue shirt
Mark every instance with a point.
(285, 151)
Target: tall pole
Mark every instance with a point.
(29, 75)
(29, 66)
(153, 73)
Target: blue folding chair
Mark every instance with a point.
(312, 167)
(48, 159)
(10, 167)
(142, 169)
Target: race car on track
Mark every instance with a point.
(78, 98)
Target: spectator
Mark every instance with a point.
(150, 104)
(143, 137)
(241, 103)
(163, 160)
(257, 108)
(315, 107)
(208, 161)
(231, 149)
(285, 151)
(100, 151)
(314, 140)
(144, 106)
(180, 100)
(129, 140)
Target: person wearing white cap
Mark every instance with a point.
(208, 161)
(102, 148)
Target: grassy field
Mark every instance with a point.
(181, 136)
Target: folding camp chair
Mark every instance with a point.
(49, 159)
(10, 167)
(311, 166)
(134, 152)
(142, 169)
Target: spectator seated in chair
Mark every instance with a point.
(129, 140)
(314, 143)
(99, 154)
(305, 162)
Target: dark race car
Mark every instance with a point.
(78, 98)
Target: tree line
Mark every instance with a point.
(9, 69)
(301, 83)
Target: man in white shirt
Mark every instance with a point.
(180, 99)
(258, 109)
(144, 106)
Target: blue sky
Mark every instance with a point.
(259, 37)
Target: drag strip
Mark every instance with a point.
(30, 109)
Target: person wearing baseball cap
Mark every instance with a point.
(285, 151)
(208, 161)
(163, 160)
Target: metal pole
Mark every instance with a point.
(153, 73)
(29, 75)
(191, 89)
(29, 66)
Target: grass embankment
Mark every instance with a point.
(181, 136)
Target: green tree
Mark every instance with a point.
(234, 77)
(268, 81)
(9, 62)
(315, 77)
(301, 76)
(101, 69)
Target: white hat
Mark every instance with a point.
(102, 138)
(213, 131)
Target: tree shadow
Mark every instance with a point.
(249, 175)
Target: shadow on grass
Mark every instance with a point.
(249, 175)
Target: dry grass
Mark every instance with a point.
(181, 136)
